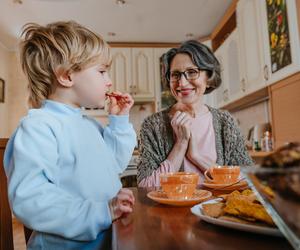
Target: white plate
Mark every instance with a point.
(197, 210)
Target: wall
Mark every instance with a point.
(15, 105)
(4, 74)
(251, 116)
(138, 113)
(17, 94)
(298, 10)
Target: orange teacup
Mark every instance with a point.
(179, 185)
(223, 174)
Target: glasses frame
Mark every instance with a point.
(185, 75)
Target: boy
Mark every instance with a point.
(62, 166)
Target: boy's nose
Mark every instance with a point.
(108, 84)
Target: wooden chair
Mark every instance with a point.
(6, 231)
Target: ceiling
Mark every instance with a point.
(157, 21)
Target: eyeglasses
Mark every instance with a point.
(189, 74)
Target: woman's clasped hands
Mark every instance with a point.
(122, 204)
(181, 124)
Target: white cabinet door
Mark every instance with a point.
(143, 73)
(132, 71)
(235, 87)
(231, 88)
(221, 94)
(120, 70)
(276, 45)
(251, 45)
(209, 99)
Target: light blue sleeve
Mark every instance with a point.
(34, 192)
(120, 136)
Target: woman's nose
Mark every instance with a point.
(183, 81)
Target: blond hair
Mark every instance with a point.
(57, 47)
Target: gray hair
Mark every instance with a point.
(201, 56)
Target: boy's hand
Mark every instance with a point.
(120, 104)
(121, 204)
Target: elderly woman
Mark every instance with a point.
(189, 136)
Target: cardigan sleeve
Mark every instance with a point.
(234, 142)
(152, 153)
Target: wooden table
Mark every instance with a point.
(155, 226)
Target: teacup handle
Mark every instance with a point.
(207, 176)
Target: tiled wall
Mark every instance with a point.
(251, 116)
(138, 113)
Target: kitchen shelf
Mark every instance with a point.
(259, 154)
(248, 100)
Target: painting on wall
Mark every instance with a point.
(279, 40)
(2, 90)
(167, 98)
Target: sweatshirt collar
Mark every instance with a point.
(61, 108)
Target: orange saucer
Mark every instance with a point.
(237, 186)
(199, 196)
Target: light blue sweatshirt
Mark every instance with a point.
(63, 168)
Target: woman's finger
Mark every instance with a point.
(179, 118)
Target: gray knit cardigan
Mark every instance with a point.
(156, 141)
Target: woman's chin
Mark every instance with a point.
(187, 99)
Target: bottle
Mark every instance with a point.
(266, 142)
(256, 146)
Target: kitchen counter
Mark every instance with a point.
(258, 156)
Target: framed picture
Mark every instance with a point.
(279, 40)
(2, 90)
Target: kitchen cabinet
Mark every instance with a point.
(252, 67)
(120, 70)
(257, 69)
(132, 71)
(221, 92)
(249, 50)
(284, 104)
(209, 99)
(228, 56)
(271, 32)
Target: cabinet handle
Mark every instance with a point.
(266, 72)
(243, 85)
(130, 90)
(157, 106)
(225, 95)
(135, 89)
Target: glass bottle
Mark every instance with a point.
(266, 142)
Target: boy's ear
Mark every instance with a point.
(64, 78)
